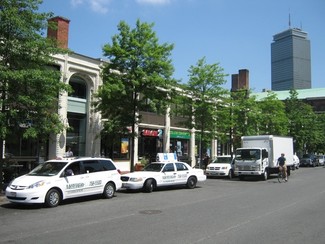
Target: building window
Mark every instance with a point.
(76, 134)
(79, 88)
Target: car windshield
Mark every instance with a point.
(222, 160)
(156, 167)
(48, 168)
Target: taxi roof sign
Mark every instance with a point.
(166, 157)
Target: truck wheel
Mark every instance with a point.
(265, 175)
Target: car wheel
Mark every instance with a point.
(109, 190)
(191, 182)
(149, 185)
(52, 198)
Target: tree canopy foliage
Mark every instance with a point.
(29, 80)
(26, 69)
(136, 77)
(203, 100)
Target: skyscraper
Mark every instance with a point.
(290, 60)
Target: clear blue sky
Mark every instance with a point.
(237, 34)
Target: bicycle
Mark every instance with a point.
(281, 177)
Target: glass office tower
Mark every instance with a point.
(290, 60)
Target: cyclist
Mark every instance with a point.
(283, 166)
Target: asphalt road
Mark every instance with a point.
(218, 211)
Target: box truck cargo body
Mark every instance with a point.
(258, 155)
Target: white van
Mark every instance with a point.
(56, 180)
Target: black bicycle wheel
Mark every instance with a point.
(281, 177)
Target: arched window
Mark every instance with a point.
(79, 87)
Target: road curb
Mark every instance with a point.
(2, 197)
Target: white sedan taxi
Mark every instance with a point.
(222, 166)
(167, 171)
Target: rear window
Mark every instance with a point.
(91, 166)
(181, 167)
(107, 165)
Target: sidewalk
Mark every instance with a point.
(3, 197)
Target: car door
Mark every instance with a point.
(182, 173)
(168, 174)
(94, 177)
(74, 180)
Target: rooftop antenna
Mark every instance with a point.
(289, 20)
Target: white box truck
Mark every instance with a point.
(258, 155)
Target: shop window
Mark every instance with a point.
(115, 148)
(76, 134)
(180, 146)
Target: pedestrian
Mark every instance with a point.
(69, 153)
(206, 161)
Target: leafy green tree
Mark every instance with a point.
(205, 99)
(245, 115)
(29, 83)
(272, 116)
(136, 77)
(319, 145)
(301, 123)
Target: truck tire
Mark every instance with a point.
(265, 175)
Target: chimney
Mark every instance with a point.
(59, 31)
(240, 81)
(244, 79)
(234, 82)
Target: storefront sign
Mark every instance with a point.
(180, 134)
(153, 133)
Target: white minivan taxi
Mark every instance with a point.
(55, 180)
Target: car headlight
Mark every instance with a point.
(136, 179)
(37, 184)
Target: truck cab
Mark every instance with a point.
(251, 162)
